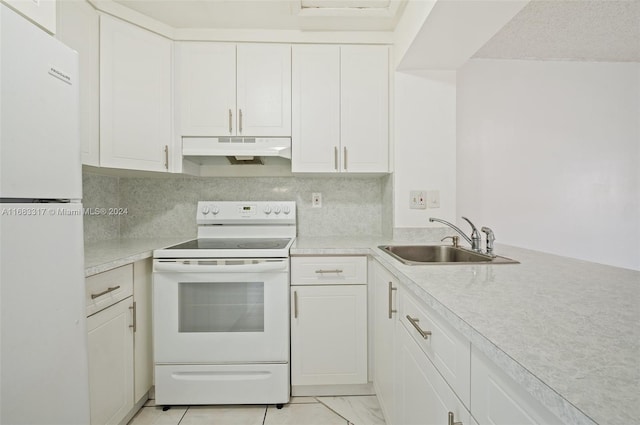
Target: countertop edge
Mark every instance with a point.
(113, 253)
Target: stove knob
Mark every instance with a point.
(286, 209)
(267, 209)
(277, 209)
(205, 210)
(215, 210)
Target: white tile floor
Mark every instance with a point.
(352, 410)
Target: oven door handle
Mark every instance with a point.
(270, 266)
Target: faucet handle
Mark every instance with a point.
(469, 221)
(476, 239)
(454, 239)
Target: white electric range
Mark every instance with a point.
(221, 307)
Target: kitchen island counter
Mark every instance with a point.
(568, 331)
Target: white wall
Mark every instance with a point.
(425, 144)
(548, 156)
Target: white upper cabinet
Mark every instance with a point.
(341, 109)
(135, 97)
(206, 88)
(316, 109)
(364, 108)
(224, 89)
(40, 12)
(264, 90)
(79, 28)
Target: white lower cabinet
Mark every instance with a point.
(328, 321)
(111, 363)
(384, 322)
(443, 345)
(498, 399)
(436, 371)
(119, 339)
(423, 396)
(142, 341)
(329, 335)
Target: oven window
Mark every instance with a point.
(221, 307)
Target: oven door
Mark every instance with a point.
(221, 311)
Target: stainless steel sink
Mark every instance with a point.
(440, 254)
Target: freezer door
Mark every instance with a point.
(39, 124)
(45, 378)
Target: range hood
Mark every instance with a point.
(236, 150)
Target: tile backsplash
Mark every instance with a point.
(166, 206)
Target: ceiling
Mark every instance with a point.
(590, 30)
(317, 15)
(604, 30)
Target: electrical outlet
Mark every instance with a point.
(418, 199)
(316, 200)
(433, 199)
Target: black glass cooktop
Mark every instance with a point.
(235, 243)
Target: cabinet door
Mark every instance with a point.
(423, 396)
(448, 350)
(78, 28)
(498, 399)
(329, 335)
(111, 363)
(143, 347)
(315, 143)
(385, 319)
(206, 88)
(364, 111)
(264, 90)
(135, 97)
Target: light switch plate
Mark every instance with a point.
(418, 199)
(433, 199)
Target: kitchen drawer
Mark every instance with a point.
(328, 270)
(447, 349)
(108, 288)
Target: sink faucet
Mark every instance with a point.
(475, 239)
(490, 239)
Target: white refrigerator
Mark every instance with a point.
(43, 345)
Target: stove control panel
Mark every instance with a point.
(250, 212)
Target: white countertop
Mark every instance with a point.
(566, 330)
(109, 254)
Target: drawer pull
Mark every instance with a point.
(295, 304)
(391, 309)
(414, 322)
(329, 271)
(451, 420)
(109, 289)
(134, 326)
